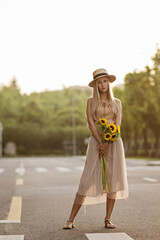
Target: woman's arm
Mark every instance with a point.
(91, 123)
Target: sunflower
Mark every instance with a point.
(103, 121)
(118, 128)
(107, 136)
(112, 127)
(114, 137)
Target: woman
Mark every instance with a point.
(90, 190)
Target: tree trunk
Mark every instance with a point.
(135, 143)
(145, 143)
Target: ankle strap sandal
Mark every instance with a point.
(108, 223)
(69, 224)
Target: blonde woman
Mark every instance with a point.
(90, 190)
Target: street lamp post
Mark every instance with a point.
(1, 129)
(73, 127)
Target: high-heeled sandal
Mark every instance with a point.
(108, 223)
(69, 224)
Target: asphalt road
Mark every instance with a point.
(47, 186)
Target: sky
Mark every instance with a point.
(51, 44)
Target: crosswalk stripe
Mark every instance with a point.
(10, 221)
(18, 170)
(108, 236)
(11, 237)
(150, 179)
(21, 170)
(15, 209)
(2, 170)
(41, 169)
(62, 169)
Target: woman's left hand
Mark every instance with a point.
(102, 149)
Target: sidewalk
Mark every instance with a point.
(153, 163)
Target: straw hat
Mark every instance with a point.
(100, 73)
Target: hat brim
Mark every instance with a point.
(112, 78)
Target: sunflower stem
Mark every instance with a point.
(105, 165)
(103, 169)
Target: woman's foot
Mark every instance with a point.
(69, 224)
(108, 223)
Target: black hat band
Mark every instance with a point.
(100, 74)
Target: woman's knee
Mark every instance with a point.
(79, 199)
(111, 195)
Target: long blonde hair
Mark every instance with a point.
(96, 100)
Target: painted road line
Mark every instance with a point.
(61, 169)
(80, 167)
(108, 236)
(15, 210)
(21, 173)
(150, 179)
(19, 181)
(10, 221)
(11, 237)
(18, 170)
(2, 170)
(21, 165)
(41, 169)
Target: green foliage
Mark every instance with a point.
(40, 122)
(142, 107)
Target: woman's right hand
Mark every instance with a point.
(102, 149)
(99, 147)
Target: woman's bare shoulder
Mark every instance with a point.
(117, 100)
(89, 100)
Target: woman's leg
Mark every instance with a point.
(74, 211)
(75, 208)
(76, 205)
(109, 207)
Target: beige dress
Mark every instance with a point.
(90, 189)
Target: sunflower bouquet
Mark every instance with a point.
(110, 133)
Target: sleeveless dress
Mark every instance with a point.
(90, 190)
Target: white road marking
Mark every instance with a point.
(10, 221)
(2, 170)
(18, 170)
(80, 167)
(108, 236)
(11, 237)
(150, 179)
(61, 169)
(41, 169)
